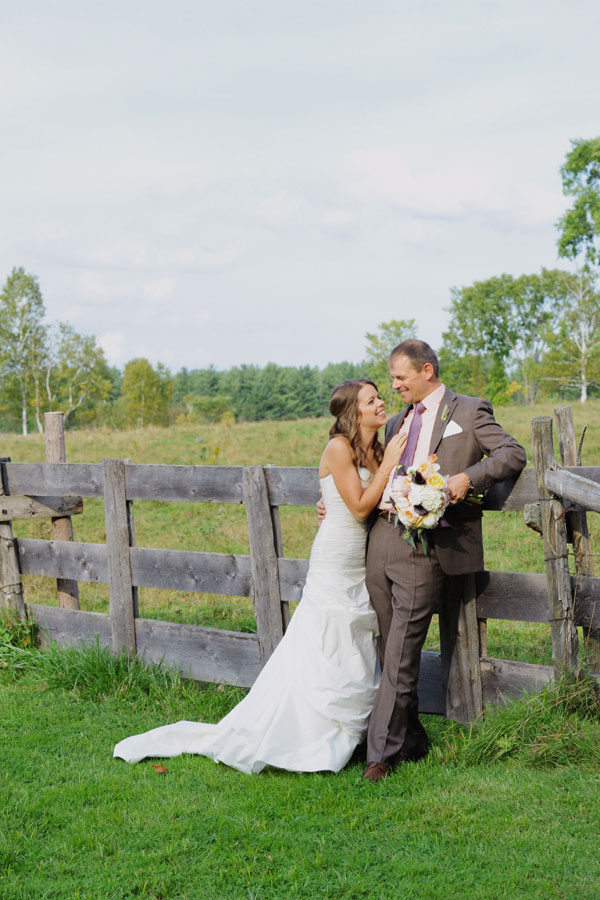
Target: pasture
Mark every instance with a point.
(510, 808)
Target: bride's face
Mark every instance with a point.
(371, 408)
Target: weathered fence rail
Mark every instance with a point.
(458, 682)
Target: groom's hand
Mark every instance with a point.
(458, 487)
(321, 509)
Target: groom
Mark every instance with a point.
(405, 585)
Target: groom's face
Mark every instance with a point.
(412, 384)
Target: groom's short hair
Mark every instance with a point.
(419, 353)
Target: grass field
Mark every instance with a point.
(510, 808)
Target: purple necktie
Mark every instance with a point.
(413, 436)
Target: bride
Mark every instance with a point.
(309, 707)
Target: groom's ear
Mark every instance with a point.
(428, 371)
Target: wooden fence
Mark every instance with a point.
(457, 682)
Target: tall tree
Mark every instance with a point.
(579, 227)
(146, 393)
(23, 339)
(77, 375)
(509, 319)
(379, 346)
(573, 360)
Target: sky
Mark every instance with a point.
(248, 182)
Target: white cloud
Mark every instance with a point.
(418, 182)
(282, 206)
(159, 290)
(113, 343)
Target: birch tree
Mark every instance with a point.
(23, 340)
(575, 350)
(77, 379)
(579, 227)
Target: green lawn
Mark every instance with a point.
(76, 823)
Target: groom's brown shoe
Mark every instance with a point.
(377, 771)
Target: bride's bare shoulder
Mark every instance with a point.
(337, 453)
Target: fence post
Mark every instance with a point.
(263, 554)
(120, 585)
(460, 650)
(578, 527)
(62, 527)
(554, 532)
(11, 588)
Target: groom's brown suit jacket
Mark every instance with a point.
(483, 450)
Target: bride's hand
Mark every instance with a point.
(393, 451)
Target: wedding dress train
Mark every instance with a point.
(309, 707)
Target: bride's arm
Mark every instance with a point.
(337, 460)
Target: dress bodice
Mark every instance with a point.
(335, 506)
(340, 535)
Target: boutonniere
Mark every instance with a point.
(445, 412)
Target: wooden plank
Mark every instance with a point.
(586, 597)
(582, 491)
(120, 585)
(459, 642)
(512, 494)
(62, 559)
(501, 595)
(188, 570)
(432, 697)
(70, 626)
(292, 485)
(179, 570)
(11, 589)
(504, 680)
(56, 479)
(19, 506)
(62, 526)
(564, 632)
(206, 484)
(516, 596)
(523, 597)
(288, 485)
(206, 654)
(265, 571)
(292, 575)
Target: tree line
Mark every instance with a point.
(509, 338)
(52, 367)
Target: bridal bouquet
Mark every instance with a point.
(420, 497)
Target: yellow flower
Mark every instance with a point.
(436, 481)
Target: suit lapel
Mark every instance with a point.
(444, 414)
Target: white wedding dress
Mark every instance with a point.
(309, 707)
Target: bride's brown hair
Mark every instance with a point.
(343, 404)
